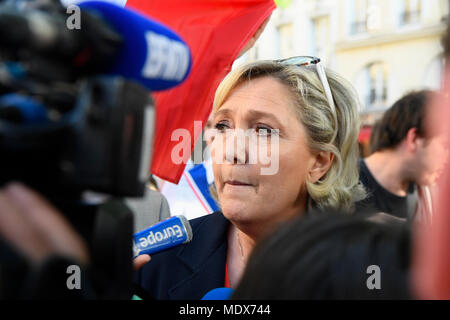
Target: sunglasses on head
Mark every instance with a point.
(302, 61)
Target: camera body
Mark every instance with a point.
(103, 144)
(64, 132)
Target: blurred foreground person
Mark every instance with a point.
(431, 276)
(330, 256)
(408, 157)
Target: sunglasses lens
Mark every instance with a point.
(300, 61)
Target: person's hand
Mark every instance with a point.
(34, 227)
(139, 261)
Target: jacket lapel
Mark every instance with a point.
(204, 258)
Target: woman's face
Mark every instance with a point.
(246, 124)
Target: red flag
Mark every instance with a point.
(215, 31)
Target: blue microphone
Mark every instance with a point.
(111, 40)
(162, 236)
(218, 294)
(150, 54)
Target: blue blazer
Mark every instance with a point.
(189, 271)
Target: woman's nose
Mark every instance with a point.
(236, 147)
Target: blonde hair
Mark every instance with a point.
(339, 187)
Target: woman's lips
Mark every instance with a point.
(238, 183)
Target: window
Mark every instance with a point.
(359, 22)
(372, 84)
(285, 40)
(364, 16)
(433, 73)
(320, 36)
(377, 85)
(411, 12)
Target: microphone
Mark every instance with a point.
(162, 236)
(218, 294)
(111, 40)
(151, 53)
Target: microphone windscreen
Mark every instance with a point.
(151, 53)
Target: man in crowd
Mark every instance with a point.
(406, 160)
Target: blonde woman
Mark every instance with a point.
(308, 118)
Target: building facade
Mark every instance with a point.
(386, 48)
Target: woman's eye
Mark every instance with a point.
(221, 126)
(264, 131)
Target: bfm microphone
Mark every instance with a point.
(111, 40)
(162, 236)
(151, 53)
(218, 294)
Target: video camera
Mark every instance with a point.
(68, 126)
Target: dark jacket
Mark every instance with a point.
(191, 270)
